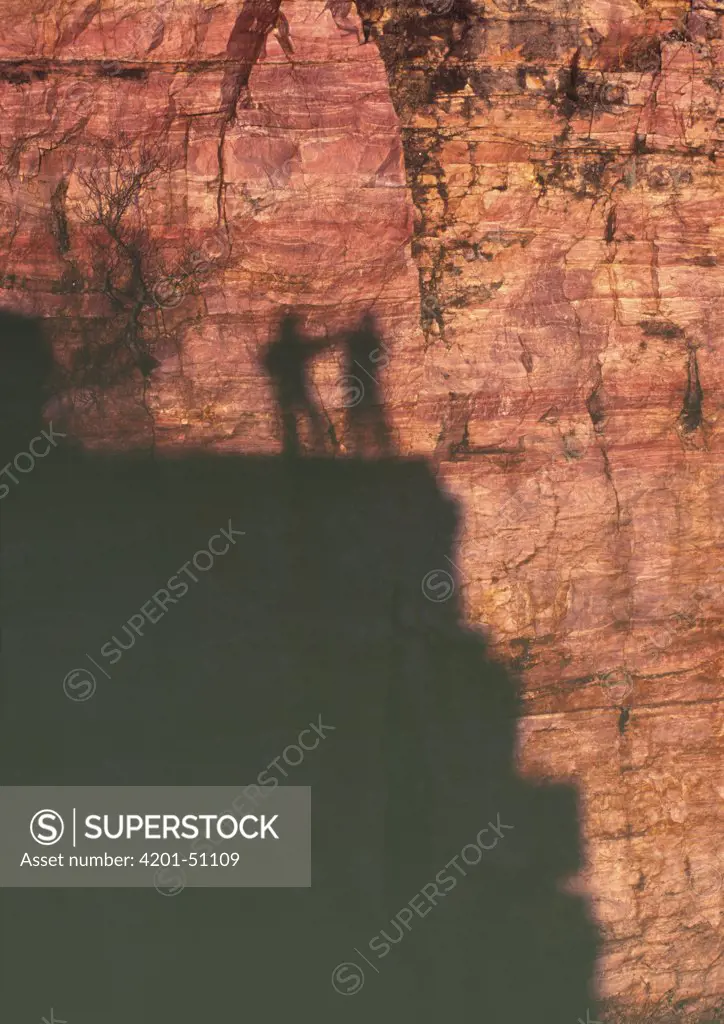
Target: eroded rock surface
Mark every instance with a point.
(527, 197)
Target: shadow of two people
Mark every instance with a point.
(287, 361)
(338, 609)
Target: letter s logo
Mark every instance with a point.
(47, 827)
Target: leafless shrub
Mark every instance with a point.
(127, 260)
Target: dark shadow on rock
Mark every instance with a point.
(26, 369)
(286, 361)
(336, 605)
(367, 431)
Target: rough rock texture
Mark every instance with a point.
(526, 196)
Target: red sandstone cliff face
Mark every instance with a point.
(526, 196)
(270, 175)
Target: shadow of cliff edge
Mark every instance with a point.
(335, 606)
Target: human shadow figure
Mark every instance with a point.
(367, 431)
(286, 360)
(336, 606)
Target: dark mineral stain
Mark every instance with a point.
(569, 81)
(448, 80)
(60, 219)
(15, 76)
(611, 226)
(594, 404)
(691, 413)
(660, 329)
(114, 69)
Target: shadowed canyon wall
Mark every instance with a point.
(526, 197)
